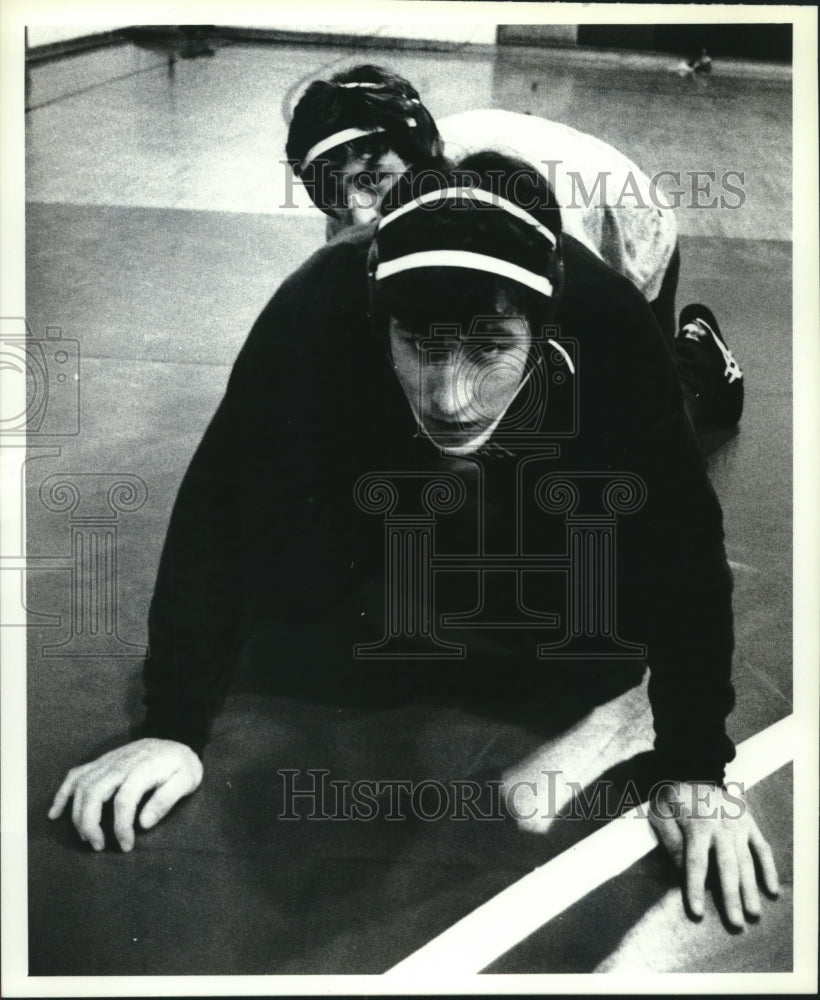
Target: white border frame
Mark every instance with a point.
(14, 15)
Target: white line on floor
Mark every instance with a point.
(503, 921)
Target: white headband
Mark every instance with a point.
(477, 194)
(466, 259)
(339, 138)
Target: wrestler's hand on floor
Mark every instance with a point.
(694, 820)
(170, 769)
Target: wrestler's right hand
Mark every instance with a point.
(171, 770)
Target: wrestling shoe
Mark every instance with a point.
(698, 324)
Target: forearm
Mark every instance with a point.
(686, 606)
(194, 611)
(202, 585)
(691, 693)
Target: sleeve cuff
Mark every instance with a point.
(168, 729)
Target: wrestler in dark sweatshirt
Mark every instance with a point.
(464, 339)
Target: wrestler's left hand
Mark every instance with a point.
(694, 820)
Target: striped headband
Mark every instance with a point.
(476, 194)
(466, 259)
(340, 138)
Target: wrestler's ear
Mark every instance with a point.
(372, 261)
(555, 272)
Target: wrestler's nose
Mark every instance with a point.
(362, 206)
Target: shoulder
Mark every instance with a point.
(342, 261)
(628, 393)
(318, 311)
(585, 273)
(609, 316)
(482, 117)
(484, 128)
(336, 274)
(484, 123)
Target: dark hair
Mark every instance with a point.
(390, 104)
(417, 298)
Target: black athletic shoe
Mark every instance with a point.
(698, 324)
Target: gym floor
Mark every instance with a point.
(155, 234)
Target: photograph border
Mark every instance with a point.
(806, 540)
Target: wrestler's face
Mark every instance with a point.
(364, 181)
(460, 385)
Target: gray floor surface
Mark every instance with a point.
(153, 240)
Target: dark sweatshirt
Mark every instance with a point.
(265, 526)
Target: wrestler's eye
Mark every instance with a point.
(493, 349)
(413, 341)
(486, 352)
